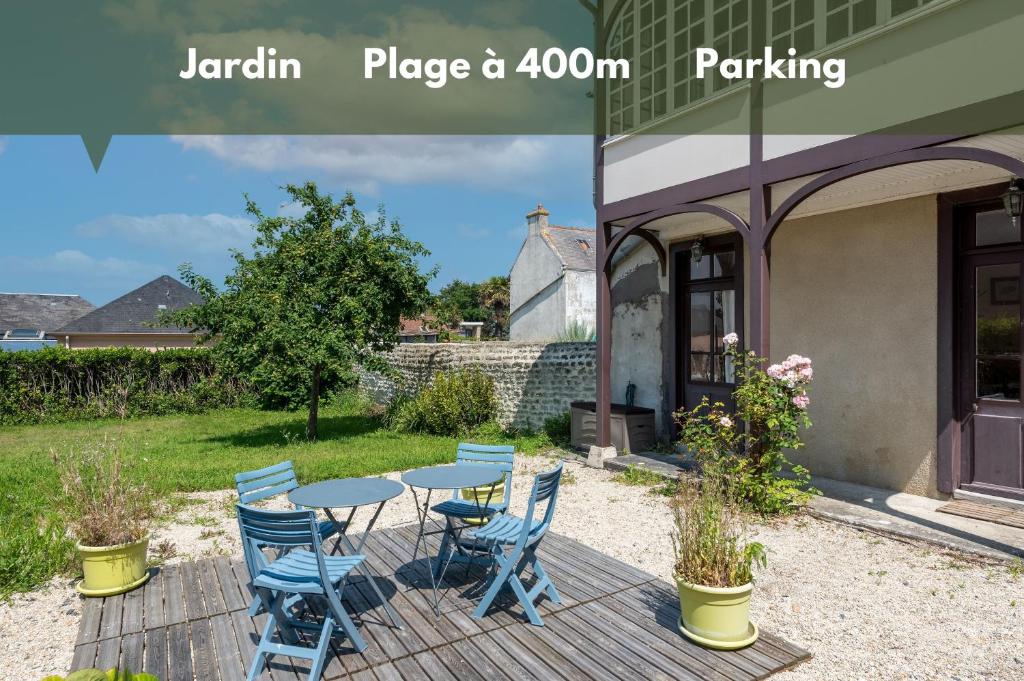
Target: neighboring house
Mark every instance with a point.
(422, 330)
(471, 330)
(552, 283)
(28, 320)
(891, 260)
(130, 321)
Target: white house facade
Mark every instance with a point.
(552, 284)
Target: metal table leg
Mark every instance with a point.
(358, 549)
(452, 540)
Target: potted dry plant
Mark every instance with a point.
(108, 513)
(714, 564)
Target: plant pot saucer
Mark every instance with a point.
(748, 638)
(113, 591)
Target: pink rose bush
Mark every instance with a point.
(748, 443)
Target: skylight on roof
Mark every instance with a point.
(23, 334)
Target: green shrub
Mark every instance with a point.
(559, 430)
(454, 403)
(56, 384)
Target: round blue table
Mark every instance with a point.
(456, 477)
(352, 493)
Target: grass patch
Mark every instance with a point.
(638, 476)
(200, 452)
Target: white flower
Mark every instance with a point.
(731, 339)
(725, 422)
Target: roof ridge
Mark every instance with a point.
(578, 229)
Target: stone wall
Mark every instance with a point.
(533, 381)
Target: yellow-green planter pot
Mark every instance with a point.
(716, 617)
(482, 495)
(111, 570)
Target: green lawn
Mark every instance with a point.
(191, 453)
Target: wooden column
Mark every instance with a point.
(604, 339)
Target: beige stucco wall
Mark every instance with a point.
(856, 291)
(148, 341)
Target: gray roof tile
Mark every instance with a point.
(135, 311)
(39, 311)
(574, 246)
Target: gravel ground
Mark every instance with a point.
(867, 606)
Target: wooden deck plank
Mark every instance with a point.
(246, 637)
(536, 647)
(387, 672)
(195, 605)
(466, 661)
(212, 595)
(174, 598)
(134, 606)
(229, 586)
(229, 661)
(108, 652)
(434, 668)
(485, 646)
(131, 652)
(156, 653)
(84, 656)
(655, 664)
(179, 653)
(113, 609)
(508, 645)
(560, 635)
(578, 657)
(204, 654)
(92, 615)
(611, 650)
(153, 601)
(408, 668)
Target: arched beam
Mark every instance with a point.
(636, 228)
(993, 158)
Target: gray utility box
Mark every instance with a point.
(632, 427)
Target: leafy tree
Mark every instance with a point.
(487, 302)
(319, 294)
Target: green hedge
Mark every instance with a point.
(57, 384)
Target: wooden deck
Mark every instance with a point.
(616, 622)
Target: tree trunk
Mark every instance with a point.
(314, 405)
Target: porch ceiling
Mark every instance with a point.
(907, 181)
(880, 186)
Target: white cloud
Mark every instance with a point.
(70, 264)
(364, 162)
(211, 234)
(471, 232)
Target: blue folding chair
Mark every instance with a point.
(271, 481)
(513, 544)
(294, 575)
(268, 482)
(501, 456)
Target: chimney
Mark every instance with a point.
(537, 220)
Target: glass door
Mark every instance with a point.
(709, 309)
(992, 443)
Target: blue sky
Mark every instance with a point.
(159, 201)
